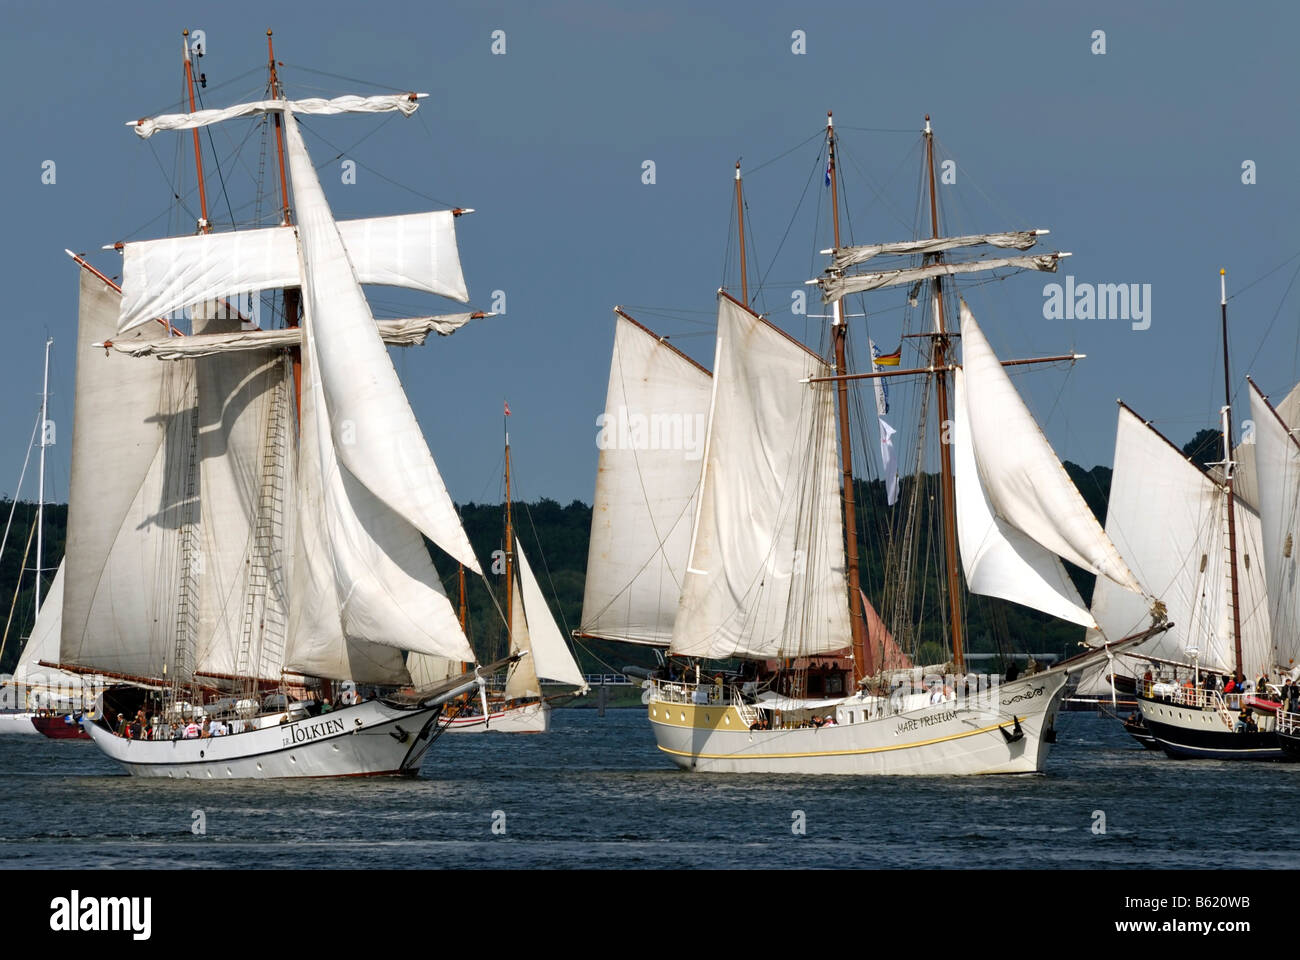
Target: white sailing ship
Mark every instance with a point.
(535, 639)
(1210, 542)
(750, 551)
(248, 508)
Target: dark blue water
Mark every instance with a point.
(596, 793)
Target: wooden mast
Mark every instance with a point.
(839, 333)
(740, 229)
(204, 225)
(947, 491)
(510, 549)
(292, 295)
(1227, 469)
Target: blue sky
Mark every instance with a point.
(1132, 158)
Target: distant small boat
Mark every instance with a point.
(64, 727)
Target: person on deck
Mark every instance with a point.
(192, 730)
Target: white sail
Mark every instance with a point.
(43, 644)
(246, 494)
(375, 433)
(849, 256)
(767, 570)
(417, 251)
(406, 103)
(1277, 462)
(999, 560)
(833, 288)
(405, 332)
(651, 449)
(1026, 485)
(364, 587)
(1244, 486)
(552, 659)
(1168, 519)
(131, 506)
(425, 670)
(521, 681)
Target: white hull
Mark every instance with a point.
(369, 739)
(17, 724)
(526, 718)
(957, 737)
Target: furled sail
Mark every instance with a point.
(1277, 462)
(1167, 517)
(364, 587)
(835, 287)
(245, 408)
(998, 559)
(551, 657)
(651, 449)
(375, 433)
(1026, 486)
(416, 251)
(767, 571)
(405, 332)
(132, 509)
(406, 103)
(849, 256)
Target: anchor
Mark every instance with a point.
(1016, 733)
(400, 735)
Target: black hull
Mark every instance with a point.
(1137, 729)
(1184, 744)
(1290, 744)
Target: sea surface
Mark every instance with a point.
(595, 793)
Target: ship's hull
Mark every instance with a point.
(1006, 731)
(58, 728)
(17, 724)
(532, 717)
(1194, 733)
(1136, 729)
(372, 738)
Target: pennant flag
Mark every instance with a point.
(507, 408)
(889, 462)
(829, 162)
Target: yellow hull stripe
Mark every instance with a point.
(829, 753)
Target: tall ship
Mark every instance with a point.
(249, 506)
(744, 562)
(1212, 540)
(48, 700)
(535, 639)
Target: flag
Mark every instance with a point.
(507, 408)
(882, 389)
(829, 162)
(888, 359)
(889, 463)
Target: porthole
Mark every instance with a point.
(726, 720)
(683, 716)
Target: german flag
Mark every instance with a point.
(889, 359)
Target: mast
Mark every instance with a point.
(740, 228)
(510, 546)
(839, 333)
(204, 225)
(948, 494)
(40, 498)
(1227, 469)
(292, 295)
